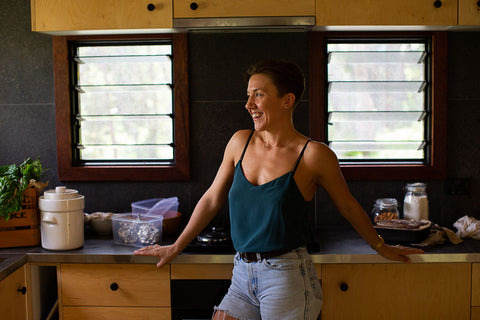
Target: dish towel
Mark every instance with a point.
(438, 235)
(468, 227)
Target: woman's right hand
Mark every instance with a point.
(164, 253)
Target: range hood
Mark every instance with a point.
(262, 23)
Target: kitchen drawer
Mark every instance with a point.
(126, 285)
(115, 313)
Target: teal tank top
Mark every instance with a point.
(267, 217)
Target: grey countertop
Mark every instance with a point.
(340, 245)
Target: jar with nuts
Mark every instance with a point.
(385, 209)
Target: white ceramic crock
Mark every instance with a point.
(62, 223)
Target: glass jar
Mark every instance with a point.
(415, 204)
(385, 209)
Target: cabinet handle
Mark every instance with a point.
(22, 290)
(478, 3)
(114, 286)
(194, 6)
(437, 4)
(150, 7)
(343, 286)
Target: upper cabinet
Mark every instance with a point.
(386, 13)
(108, 16)
(468, 12)
(242, 8)
(74, 15)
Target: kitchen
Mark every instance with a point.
(27, 113)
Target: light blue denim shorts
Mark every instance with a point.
(284, 287)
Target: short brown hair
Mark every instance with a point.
(285, 75)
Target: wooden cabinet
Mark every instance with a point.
(242, 8)
(13, 296)
(73, 15)
(114, 291)
(468, 12)
(396, 291)
(475, 291)
(386, 12)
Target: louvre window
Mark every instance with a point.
(123, 103)
(378, 100)
(121, 107)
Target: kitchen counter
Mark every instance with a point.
(342, 245)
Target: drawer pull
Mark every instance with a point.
(150, 7)
(343, 286)
(22, 290)
(114, 286)
(437, 4)
(194, 6)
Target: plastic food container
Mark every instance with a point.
(156, 206)
(130, 230)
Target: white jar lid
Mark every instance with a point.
(60, 193)
(61, 199)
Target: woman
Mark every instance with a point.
(270, 175)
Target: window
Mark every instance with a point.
(379, 101)
(122, 107)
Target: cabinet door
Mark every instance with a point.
(468, 12)
(12, 299)
(242, 8)
(125, 285)
(476, 284)
(115, 313)
(396, 291)
(74, 15)
(386, 12)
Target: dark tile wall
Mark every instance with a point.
(217, 96)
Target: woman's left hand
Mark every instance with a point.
(398, 252)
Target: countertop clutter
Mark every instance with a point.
(335, 245)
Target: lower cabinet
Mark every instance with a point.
(475, 291)
(350, 291)
(13, 298)
(114, 291)
(396, 291)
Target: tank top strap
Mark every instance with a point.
(300, 156)
(246, 145)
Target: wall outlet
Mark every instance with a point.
(458, 186)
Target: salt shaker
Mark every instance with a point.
(415, 204)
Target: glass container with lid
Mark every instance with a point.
(385, 209)
(415, 204)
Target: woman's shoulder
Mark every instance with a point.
(319, 151)
(240, 137)
(237, 143)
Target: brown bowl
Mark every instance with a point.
(171, 223)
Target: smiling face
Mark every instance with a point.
(264, 104)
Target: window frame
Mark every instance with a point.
(67, 171)
(436, 168)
